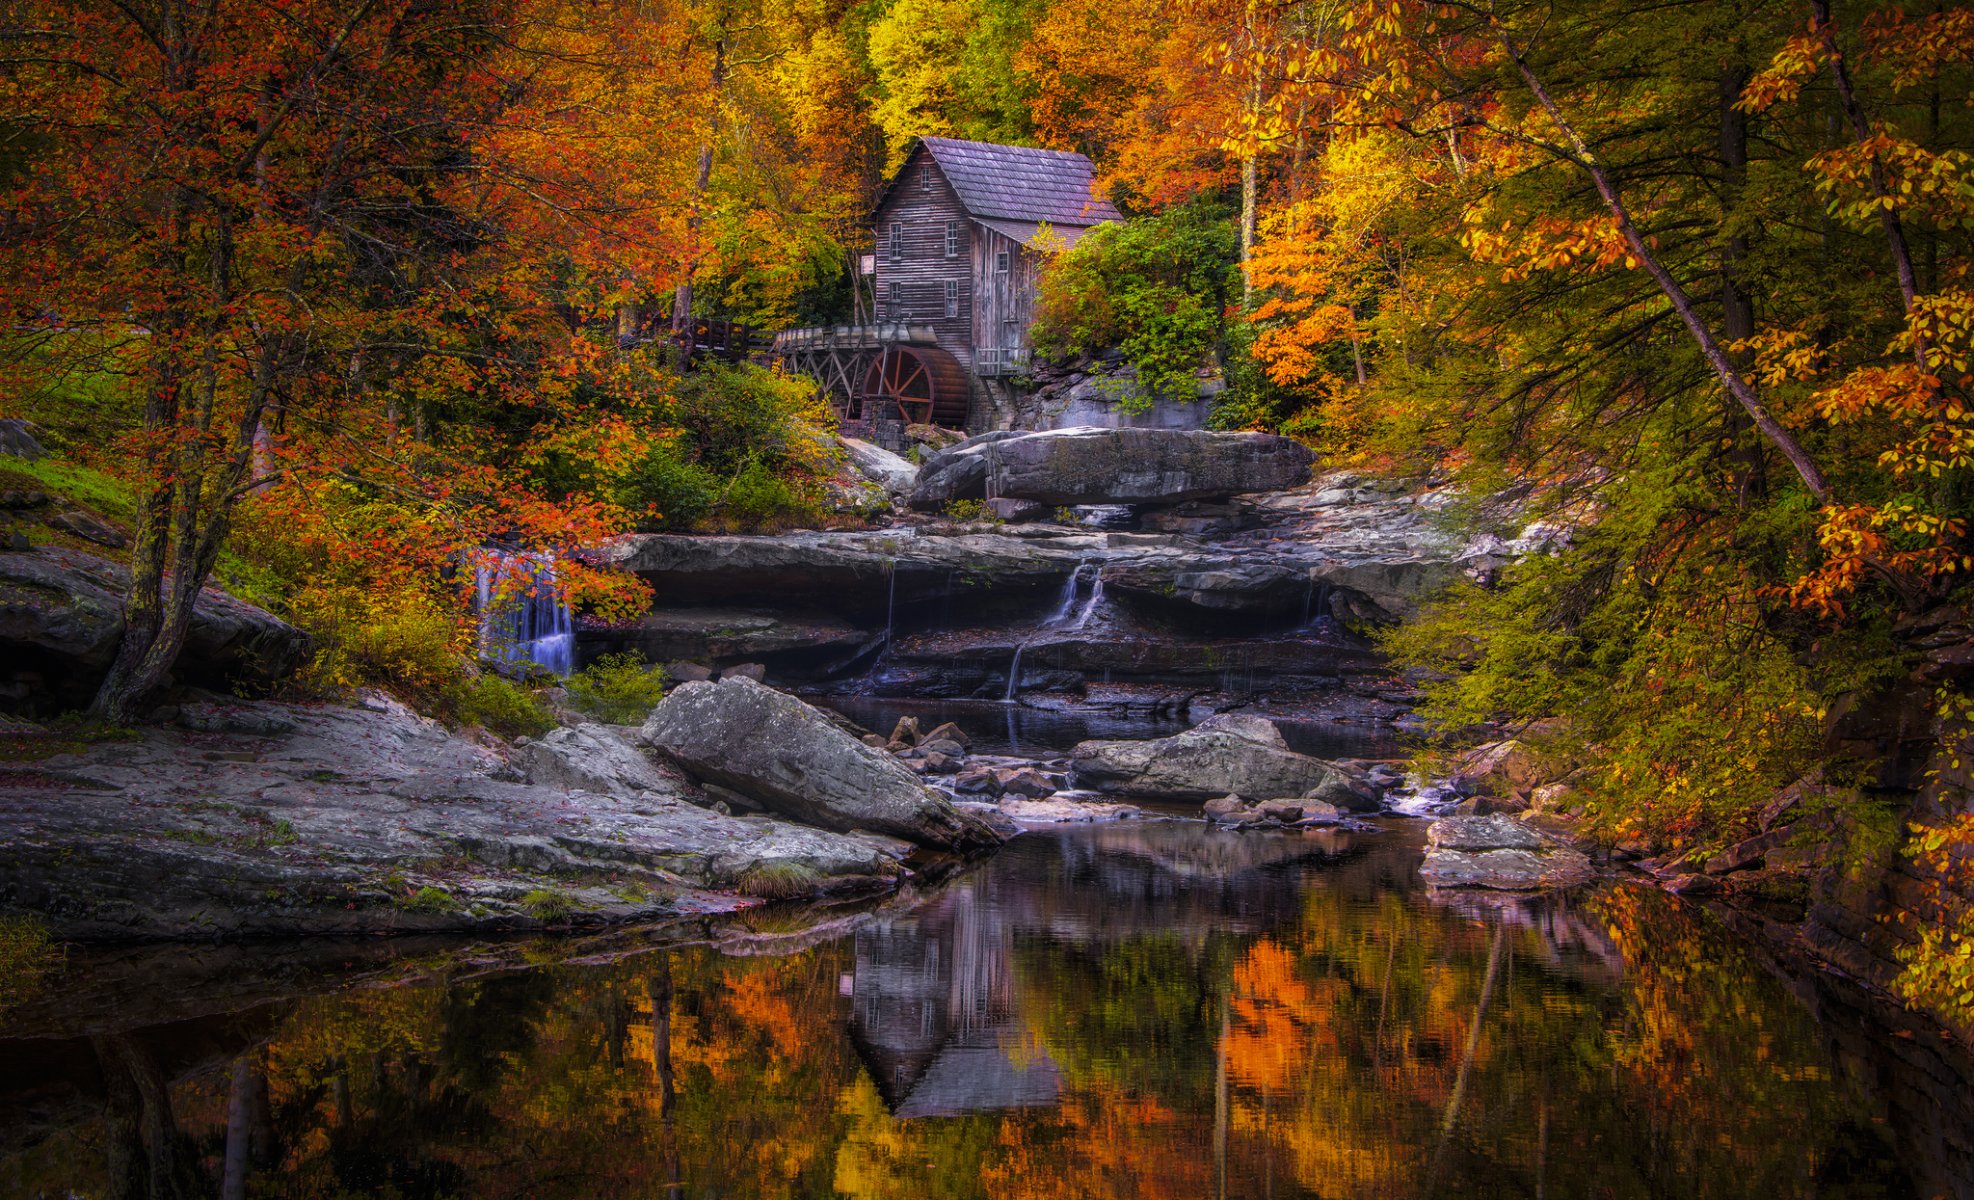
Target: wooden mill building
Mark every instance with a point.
(960, 236)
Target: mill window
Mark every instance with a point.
(952, 297)
(897, 300)
(897, 241)
(1003, 261)
(952, 239)
(925, 177)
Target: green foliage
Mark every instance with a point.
(28, 958)
(495, 703)
(548, 905)
(618, 688)
(669, 489)
(430, 899)
(759, 499)
(779, 880)
(100, 493)
(750, 451)
(74, 405)
(969, 511)
(1156, 288)
(1689, 722)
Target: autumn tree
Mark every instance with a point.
(250, 213)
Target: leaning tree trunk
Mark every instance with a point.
(1682, 304)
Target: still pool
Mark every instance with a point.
(1147, 1009)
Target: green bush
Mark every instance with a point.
(752, 448)
(968, 511)
(497, 704)
(1156, 288)
(760, 499)
(667, 490)
(618, 688)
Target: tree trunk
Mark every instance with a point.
(1881, 190)
(239, 1129)
(1737, 306)
(701, 181)
(1682, 304)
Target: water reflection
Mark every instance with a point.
(1135, 1010)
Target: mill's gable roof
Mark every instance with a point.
(1018, 183)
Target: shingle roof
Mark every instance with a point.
(1017, 183)
(1028, 232)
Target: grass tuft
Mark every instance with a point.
(779, 880)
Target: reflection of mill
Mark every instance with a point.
(933, 1012)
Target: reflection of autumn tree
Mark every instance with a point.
(1359, 1045)
(1364, 1050)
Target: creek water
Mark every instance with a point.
(1144, 1009)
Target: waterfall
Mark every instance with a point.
(1066, 615)
(523, 618)
(1066, 600)
(1090, 606)
(1014, 672)
(890, 597)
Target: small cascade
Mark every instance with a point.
(1066, 599)
(1315, 605)
(1091, 605)
(1014, 672)
(1066, 615)
(890, 597)
(523, 617)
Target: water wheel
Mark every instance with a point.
(921, 385)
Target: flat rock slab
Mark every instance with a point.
(791, 759)
(283, 819)
(1111, 466)
(1501, 853)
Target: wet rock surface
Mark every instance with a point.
(1111, 466)
(282, 819)
(1500, 853)
(791, 759)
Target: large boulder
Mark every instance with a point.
(17, 440)
(1112, 466)
(895, 473)
(1501, 853)
(591, 758)
(792, 760)
(62, 611)
(1229, 753)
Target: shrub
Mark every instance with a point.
(497, 704)
(1156, 289)
(970, 510)
(760, 499)
(751, 449)
(618, 688)
(666, 490)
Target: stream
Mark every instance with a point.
(1144, 1009)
